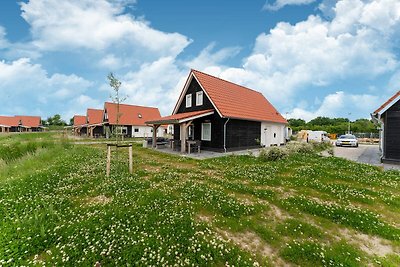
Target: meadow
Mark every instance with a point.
(58, 208)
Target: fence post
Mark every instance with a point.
(108, 160)
(130, 160)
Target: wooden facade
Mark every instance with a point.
(387, 117)
(392, 133)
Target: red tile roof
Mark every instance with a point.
(180, 116)
(9, 121)
(387, 102)
(26, 121)
(94, 116)
(131, 114)
(79, 120)
(236, 101)
(29, 121)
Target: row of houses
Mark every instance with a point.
(20, 124)
(103, 122)
(220, 114)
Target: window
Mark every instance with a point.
(199, 98)
(136, 130)
(139, 116)
(188, 100)
(206, 131)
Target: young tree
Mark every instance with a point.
(115, 85)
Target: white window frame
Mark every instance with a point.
(199, 98)
(189, 100)
(205, 138)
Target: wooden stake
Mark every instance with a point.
(130, 160)
(108, 160)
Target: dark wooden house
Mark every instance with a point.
(387, 117)
(94, 120)
(80, 125)
(223, 116)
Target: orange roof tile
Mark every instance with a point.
(9, 121)
(236, 101)
(94, 116)
(387, 102)
(29, 121)
(79, 120)
(180, 116)
(131, 114)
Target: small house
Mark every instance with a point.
(20, 124)
(131, 120)
(79, 126)
(387, 117)
(94, 122)
(30, 123)
(223, 116)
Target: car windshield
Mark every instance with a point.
(347, 136)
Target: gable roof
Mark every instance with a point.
(232, 100)
(130, 114)
(8, 121)
(94, 116)
(390, 102)
(79, 120)
(29, 121)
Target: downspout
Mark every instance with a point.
(225, 134)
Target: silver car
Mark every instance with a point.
(347, 140)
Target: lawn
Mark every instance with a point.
(57, 207)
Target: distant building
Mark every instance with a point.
(79, 126)
(131, 120)
(20, 124)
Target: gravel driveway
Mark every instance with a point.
(365, 154)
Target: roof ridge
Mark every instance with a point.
(244, 87)
(131, 105)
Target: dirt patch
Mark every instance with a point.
(204, 218)
(253, 243)
(371, 245)
(277, 213)
(98, 200)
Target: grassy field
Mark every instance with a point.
(58, 208)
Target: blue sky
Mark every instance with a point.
(308, 57)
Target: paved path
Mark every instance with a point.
(365, 154)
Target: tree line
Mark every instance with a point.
(333, 125)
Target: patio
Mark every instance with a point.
(207, 154)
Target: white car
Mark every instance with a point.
(347, 140)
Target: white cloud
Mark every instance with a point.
(208, 58)
(156, 84)
(98, 25)
(340, 104)
(3, 40)
(281, 3)
(27, 87)
(319, 52)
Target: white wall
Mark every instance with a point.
(145, 131)
(272, 134)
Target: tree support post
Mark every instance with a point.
(108, 160)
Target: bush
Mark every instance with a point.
(300, 147)
(273, 153)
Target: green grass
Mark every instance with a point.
(58, 207)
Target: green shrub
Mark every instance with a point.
(273, 153)
(300, 147)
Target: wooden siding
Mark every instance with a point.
(242, 134)
(192, 89)
(392, 133)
